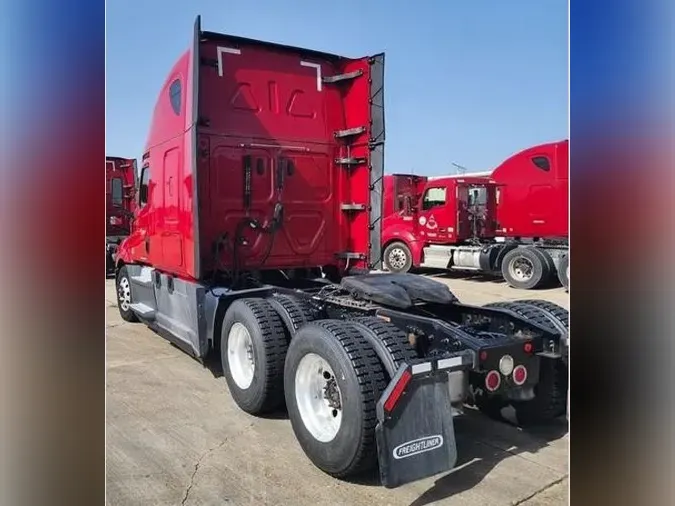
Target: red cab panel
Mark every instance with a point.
(275, 144)
(533, 197)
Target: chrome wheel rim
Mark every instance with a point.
(521, 269)
(240, 355)
(124, 294)
(397, 258)
(318, 397)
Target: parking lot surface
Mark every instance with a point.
(175, 437)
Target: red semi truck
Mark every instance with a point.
(120, 176)
(512, 221)
(257, 226)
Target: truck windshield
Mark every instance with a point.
(477, 196)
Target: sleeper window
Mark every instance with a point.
(542, 163)
(175, 96)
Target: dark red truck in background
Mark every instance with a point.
(512, 221)
(260, 206)
(120, 176)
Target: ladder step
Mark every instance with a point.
(350, 161)
(342, 77)
(349, 131)
(353, 207)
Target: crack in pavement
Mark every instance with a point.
(197, 464)
(539, 491)
(207, 453)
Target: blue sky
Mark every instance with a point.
(469, 82)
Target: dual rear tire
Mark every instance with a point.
(564, 271)
(332, 382)
(252, 351)
(327, 373)
(527, 268)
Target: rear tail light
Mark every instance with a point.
(492, 381)
(527, 347)
(520, 375)
(397, 391)
(483, 355)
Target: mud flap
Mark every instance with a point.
(415, 433)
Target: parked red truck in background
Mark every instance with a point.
(513, 221)
(260, 205)
(120, 175)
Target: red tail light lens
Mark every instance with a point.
(520, 375)
(527, 347)
(398, 390)
(483, 355)
(492, 381)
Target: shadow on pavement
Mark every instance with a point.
(483, 443)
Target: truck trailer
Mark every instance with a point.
(256, 231)
(120, 177)
(511, 222)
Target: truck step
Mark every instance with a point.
(350, 161)
(349, 131)
(353, 207)
(342, 77)
(350, 255)
(143, 310)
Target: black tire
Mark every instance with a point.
(397, 257)
(549, 271)
(109, 262)
(361, 380)
(555, 312)
(544, 313)
(389, 342)
(550, 395)
(269, 346)
(123, 290)
(540, 268)
(293, 311)
(563, 276)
